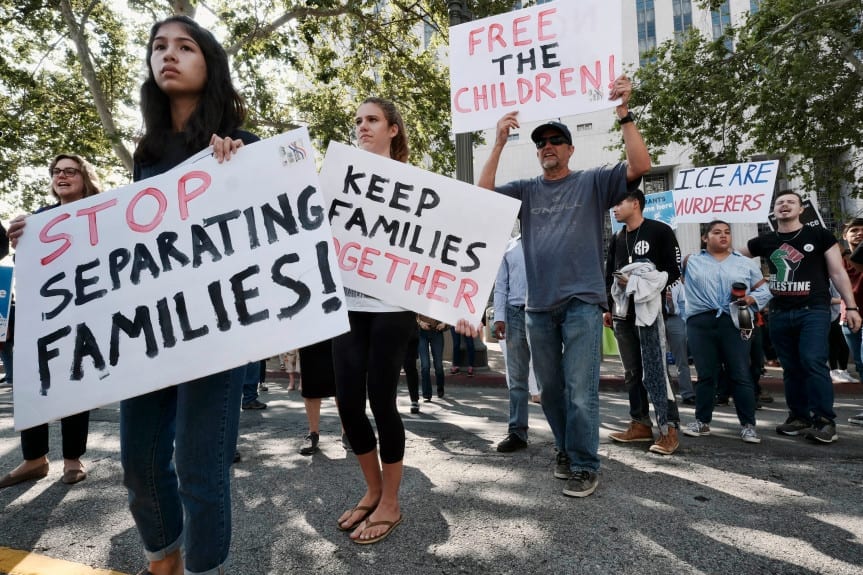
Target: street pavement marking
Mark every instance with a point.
(15, 562)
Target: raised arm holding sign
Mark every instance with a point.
(562, 215)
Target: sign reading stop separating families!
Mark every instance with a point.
(195, 271)
(412, 238)
(555, 59)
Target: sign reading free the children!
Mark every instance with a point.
(555, 59)
(412, 238)
(192, 272)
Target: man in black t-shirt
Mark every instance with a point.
(642, 341)
(802, 261)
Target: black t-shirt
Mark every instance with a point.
(652, 241)
(175, 153)
(798, 268)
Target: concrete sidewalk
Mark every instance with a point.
(611, 375)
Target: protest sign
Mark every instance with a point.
(192, 272)
(5, 301)
(552, 60)
(735, 193)
(658, 206)
(412, 238)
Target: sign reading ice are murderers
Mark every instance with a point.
(195, 271)
(412, 238)
(735, 193)
(555, 59)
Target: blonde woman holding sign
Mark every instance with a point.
(72, 178)
(368, 361)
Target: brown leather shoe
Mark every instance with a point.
(32, 475)
(666, 444)
(73, 476)
(635, 432)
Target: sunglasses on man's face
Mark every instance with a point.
(554, 140)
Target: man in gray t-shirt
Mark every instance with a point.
(561, 216)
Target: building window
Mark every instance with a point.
(584, 127)
(721, 20)
(428, 33)
(754, 5)
(646, 28)
(682, 18)
(512, 137)
(653, 183)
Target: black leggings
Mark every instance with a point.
(369, 359)
(34, 441)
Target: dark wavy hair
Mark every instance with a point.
(399, 145)
(220, 109)
(88, 174)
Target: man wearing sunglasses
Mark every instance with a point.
(562, 215)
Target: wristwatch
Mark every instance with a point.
(629, 117)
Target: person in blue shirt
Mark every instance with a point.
(510, 295)
(714, 339)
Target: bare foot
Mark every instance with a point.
(354, 517)
(384, 517)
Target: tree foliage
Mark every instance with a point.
(70, 71)
(792, 86)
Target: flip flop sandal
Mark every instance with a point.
(382, 536)
(368, 509)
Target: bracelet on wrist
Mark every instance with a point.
(852, 309)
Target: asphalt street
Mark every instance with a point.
(717, 506)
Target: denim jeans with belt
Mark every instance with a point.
(566, 345)
(177, 445)
(800, 339)
(517, 370)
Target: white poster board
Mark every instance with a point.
(192, 272)
(413, 238)
(735, 193)
(551, 60)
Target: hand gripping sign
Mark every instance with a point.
(195, 271)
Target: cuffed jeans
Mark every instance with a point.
(642, 352)
(800, 338)
(433, 339)
(716, 342)
(177, 445)
(517, 358)
(566, 345)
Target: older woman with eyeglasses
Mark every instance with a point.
(72, 179)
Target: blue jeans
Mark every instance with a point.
(517, 370)
(566, 345)
(176, 446)
(716, 342)
(433, 339)
(456, 349)
(800, 339)
(675, 333)
(250, 378)
(855, 342)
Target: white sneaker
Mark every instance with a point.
(836, 376)
(747, 434)
(846, 377)
(696, 429)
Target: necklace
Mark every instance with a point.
(792, 238)
(635, 243)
